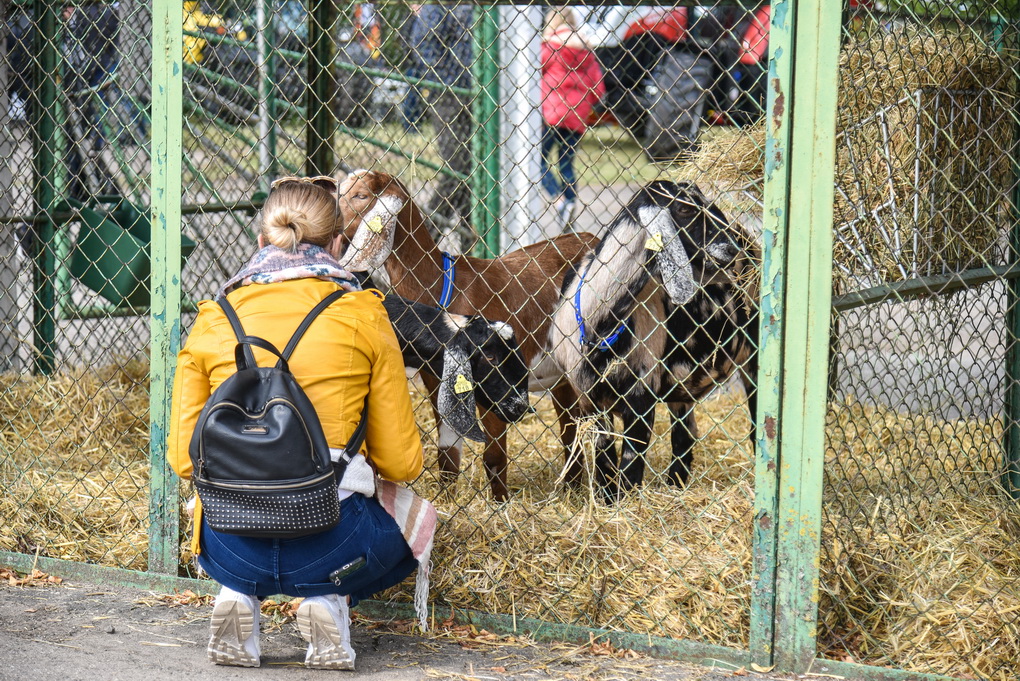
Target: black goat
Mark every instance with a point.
(473, 358)
(655, 314)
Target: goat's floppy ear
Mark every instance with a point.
(674, 264)
(457, 395)
(372, 243)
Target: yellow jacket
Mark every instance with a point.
(349, 351)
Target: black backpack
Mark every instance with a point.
(261, 464)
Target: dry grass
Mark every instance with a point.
(75, 465)
(921, 555)
(923, 125)
(662, 562)
(920, 558)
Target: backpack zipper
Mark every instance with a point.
(307, 483)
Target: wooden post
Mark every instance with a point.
(320, 123)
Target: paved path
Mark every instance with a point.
(80, 631)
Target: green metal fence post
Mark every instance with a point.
(770, 343)
(166, 153)
(1006, 31)
(46, 132)
(320, 121)
(807, 280)
(485, 169)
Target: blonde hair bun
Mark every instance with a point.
(299, 212)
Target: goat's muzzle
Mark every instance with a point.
(722, 254)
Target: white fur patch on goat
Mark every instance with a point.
(544, 373)
(674, 263)
(344, 186)
(618, 263)
(373, 242)
(455, 322)
(721, 253)
(503, 330)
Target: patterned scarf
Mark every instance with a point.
(272, 264)
(417, 519)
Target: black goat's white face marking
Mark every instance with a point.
(503, 330)
(457, 404)
(674, 264)
(373, 241)
(723, 254)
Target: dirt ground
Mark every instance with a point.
(80, 631)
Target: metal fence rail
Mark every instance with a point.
(857, 517)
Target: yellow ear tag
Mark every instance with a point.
(375, 223)
(461, 385)
(655, 242)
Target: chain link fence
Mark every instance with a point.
(919, 545)
(919, 554)
(443, 98)
(74, 204)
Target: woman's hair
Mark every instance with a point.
(560, 16)
(299, 212)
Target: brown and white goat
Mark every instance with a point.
(385, 228)
(657, 313)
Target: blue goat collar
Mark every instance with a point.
(601, 345)
(449, 272)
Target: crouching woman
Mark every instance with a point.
(349, 352)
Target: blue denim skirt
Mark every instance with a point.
(366, 534)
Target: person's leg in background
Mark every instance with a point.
(567, 141)
(549, 182)
(411, 108)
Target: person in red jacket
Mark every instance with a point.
(571, 85)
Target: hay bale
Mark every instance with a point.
(662, 561)
(922, 157)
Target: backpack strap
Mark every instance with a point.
(244, 341)
(350, 450)
(235, 324)
(358, 437)
(309, 318)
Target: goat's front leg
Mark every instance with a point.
(749, 378)
(450, 442)
(568, 411)
(638, 422)
(682, 435)
(607, 473)
(494, 455)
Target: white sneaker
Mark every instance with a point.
(234, 630)
(325, 622)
